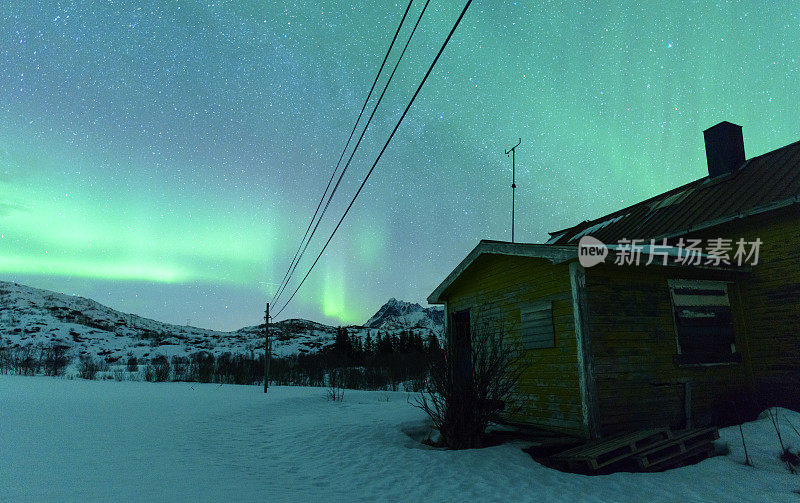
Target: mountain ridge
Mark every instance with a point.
(398, 313)
(32, 316)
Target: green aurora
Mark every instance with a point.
(165, 158)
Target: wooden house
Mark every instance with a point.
(618, 346)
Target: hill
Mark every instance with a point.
(39, 318)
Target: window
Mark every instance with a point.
(703, 322)
(537, 326)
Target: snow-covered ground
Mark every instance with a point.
(76, 440)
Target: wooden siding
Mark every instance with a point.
(495, 288)
(770, 304)
(634, 345)
(633, 339)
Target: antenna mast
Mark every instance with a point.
(513, 152)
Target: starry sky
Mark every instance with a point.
(165, 157)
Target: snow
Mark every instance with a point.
(400, 315)
(592, 228)
(76, 440)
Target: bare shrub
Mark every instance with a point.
(462, 406)
(133, 364)
(417, 384)
(149, 373)
(335, 391)
(120, 374)
(23, 362)
(88, 367)
(161, 368)
(789, 457)
(55, 359)
(102, 365)
(239, 369)
(202, 366)
(5, 359)
(180, 368)
(747, 461)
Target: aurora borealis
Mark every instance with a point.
(164, 158)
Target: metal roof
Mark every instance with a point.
(763, 183)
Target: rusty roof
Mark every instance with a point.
(766, 182)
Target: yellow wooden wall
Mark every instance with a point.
(494, 288)
(632, 339)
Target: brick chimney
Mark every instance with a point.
(724, 148)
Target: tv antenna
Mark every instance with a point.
(513, 152)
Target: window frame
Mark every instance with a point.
(531, 308)
(683, 357)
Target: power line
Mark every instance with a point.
(296, 258)
(361, 137)
(414, 97)
(287, 275)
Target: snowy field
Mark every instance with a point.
(76, 440)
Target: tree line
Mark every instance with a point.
(385, 361)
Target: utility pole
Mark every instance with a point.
(267, 349)
(513, 152)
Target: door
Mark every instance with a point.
(462, 349)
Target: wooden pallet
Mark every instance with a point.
(688, 458)
(683, 445)
(599, 455)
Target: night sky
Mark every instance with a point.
(164, 158)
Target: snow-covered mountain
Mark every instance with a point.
(399, 315)
(34, 317)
